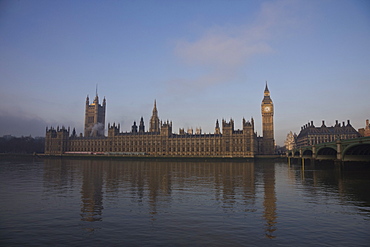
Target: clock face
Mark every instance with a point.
(267, 108)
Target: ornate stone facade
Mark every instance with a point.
(365, 131)
(311, 135)
(154, 120)
(267, 110)
(290, 141)
(94, 117)
(161, 141)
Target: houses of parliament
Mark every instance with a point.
(159, 140)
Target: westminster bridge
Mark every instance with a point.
(357, 149)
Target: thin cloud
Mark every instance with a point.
(217, 49)
(222, 51)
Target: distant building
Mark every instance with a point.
(160, 140)
(94, 117)
(311, 135)
(290, 141)
(365, 131)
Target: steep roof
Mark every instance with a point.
(337, 129)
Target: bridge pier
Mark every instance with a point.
(339, 150)
(314, 152)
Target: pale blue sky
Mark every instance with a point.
(201, 60)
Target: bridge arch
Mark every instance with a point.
(307, 153)
(326, 153)
(357, 152)
(297, 154)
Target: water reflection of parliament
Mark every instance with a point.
(235, 185)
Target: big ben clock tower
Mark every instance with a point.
(267, 110)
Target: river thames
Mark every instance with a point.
(75, 202)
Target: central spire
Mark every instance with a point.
(154, 120)
(267, 92)
(96, 100)
(155, 106)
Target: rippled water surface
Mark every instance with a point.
(141, 203)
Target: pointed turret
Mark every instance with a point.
(267, 102)
(74, 133)
(134, 128)
(141, 125)
(96, 100)
(154, 120)
(267, 92)
(155, 112)
(217, 128)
